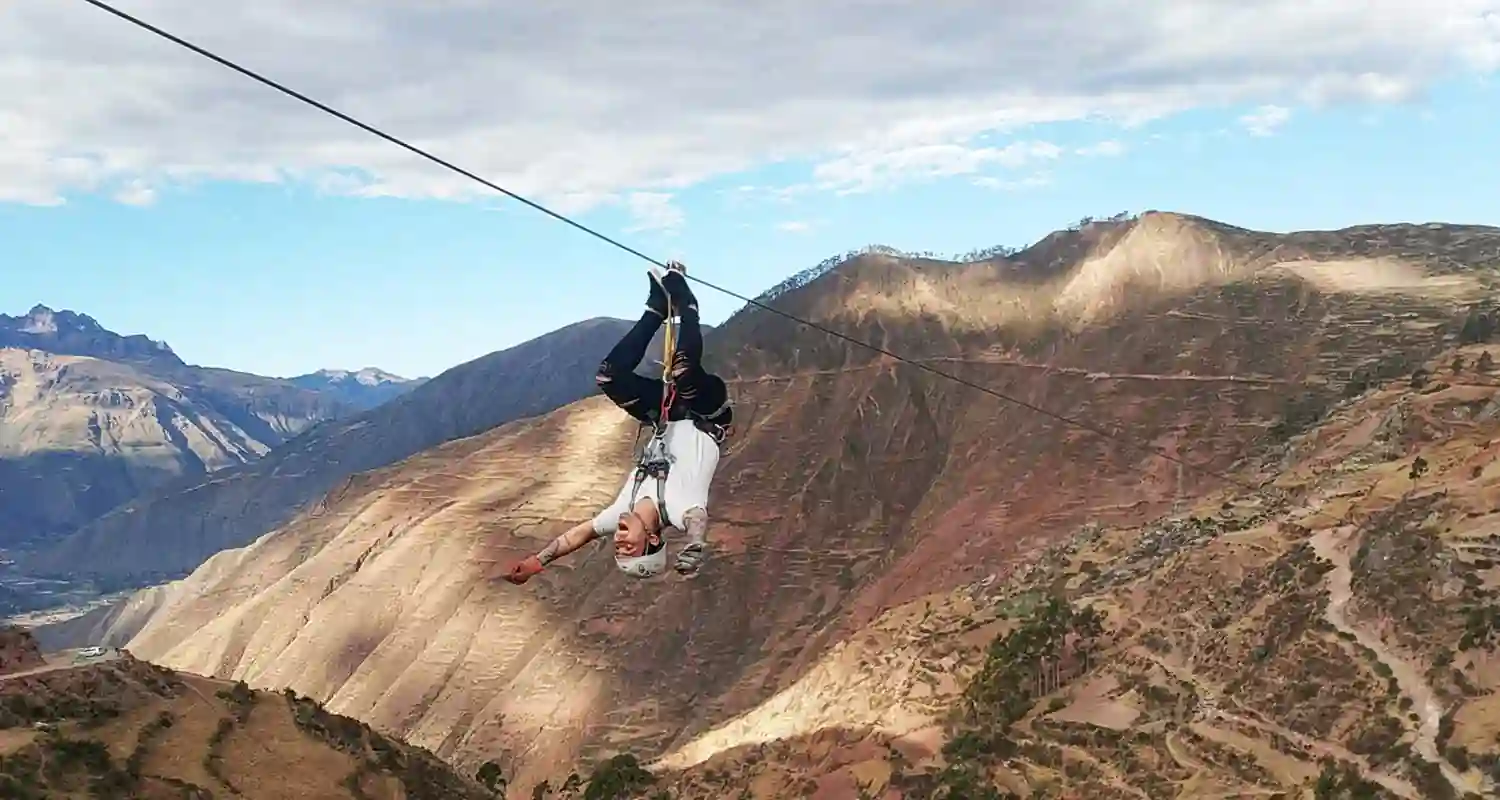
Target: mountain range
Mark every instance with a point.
(952, 594)
(90, 419)
(364, 389)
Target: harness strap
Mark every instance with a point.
(654, 460)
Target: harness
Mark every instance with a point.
(654, 460)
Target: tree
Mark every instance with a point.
(1479, 326)
(617, 778)
(489, 775)
(987, 253)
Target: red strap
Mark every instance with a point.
(669, 393)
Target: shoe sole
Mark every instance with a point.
(685, 569)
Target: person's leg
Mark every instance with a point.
(616, 376)
(687, 359)
(688, 485)
(694, 550)
(631, 348)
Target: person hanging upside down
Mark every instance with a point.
(699, 419)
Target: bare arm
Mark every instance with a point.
(574, 538)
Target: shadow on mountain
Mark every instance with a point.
(41, 493)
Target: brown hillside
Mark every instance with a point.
(1337, 628)
(18, 650)
(128, 729)
(856, 485)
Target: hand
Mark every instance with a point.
(522, 570)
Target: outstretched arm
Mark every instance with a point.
(574, 538)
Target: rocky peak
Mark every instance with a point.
(71, 333)
(369, 376)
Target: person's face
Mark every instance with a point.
(630, 536)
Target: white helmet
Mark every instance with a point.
(647, 565)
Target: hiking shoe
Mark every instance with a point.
(690, 558)
(677, 286)
(656, 301)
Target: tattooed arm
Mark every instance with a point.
(575, 537)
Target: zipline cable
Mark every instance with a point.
(1094, 429)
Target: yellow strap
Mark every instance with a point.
(669, 344)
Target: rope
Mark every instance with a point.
(1094, 429)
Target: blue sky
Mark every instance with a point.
(285, 277)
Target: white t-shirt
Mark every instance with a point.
(695, 456)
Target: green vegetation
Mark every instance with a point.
(1479, 325)
(1481, 627)
(1387, 368)
(422, 774)
(489, 774)
(617, 778)
(59, 765)
(241, 700)
(1300, 413)
(1054, 639)
(148, 734)
(213, 760)
(240, 697)
(1341, 782)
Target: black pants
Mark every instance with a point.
(641, 396)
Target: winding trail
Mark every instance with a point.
(61, 661)
(1331, 544)
(1209, 709)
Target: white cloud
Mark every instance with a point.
(1106, 148)
(794, 226)
(653, 211)
(1036, 181)
(869, 166)
(524, 95)
(137, 193)
(1265, 120)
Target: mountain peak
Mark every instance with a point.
(368, 376)
(68, 332)
(366, 388)
(43, 320)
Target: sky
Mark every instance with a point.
(164, 194)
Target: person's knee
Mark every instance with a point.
(695, 520)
